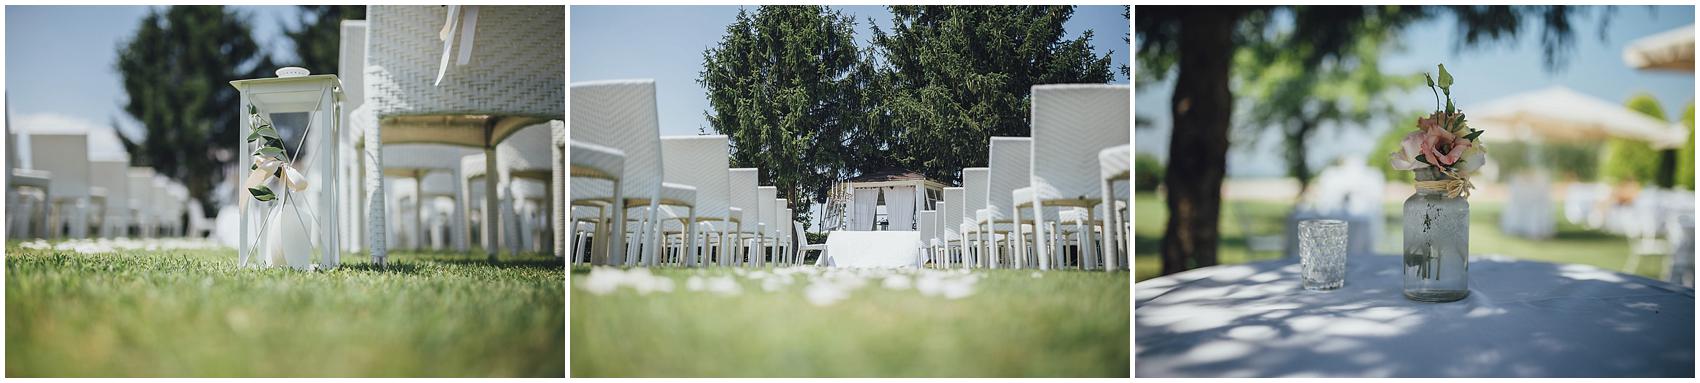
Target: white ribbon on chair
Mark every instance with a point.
(457, 16)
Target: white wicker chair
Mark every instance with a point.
(743, 196)
(699, 161)
(527, 157)
(787, 246)
(927, 222)
(141, 196)
(1071, 124)
(600, 163)
(113, 175)
(558, 199)
(165, 207)
(1113, 165)
(953, 206)
(416, 162)
(1007, 162)
(509, 76)
(351, 62)
(974, 200)
(66, 156)
(768, 223)
(621, 114)
(25, 185)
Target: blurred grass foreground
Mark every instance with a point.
(193, 313)
(814, 322)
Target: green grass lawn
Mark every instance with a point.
(193, 313)
(1064, 324)
(1571, 243)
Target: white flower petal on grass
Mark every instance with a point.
(602, 280)
(897, 282)
(723, 286)
(825, 294)
(694, 283)
(1037, 275)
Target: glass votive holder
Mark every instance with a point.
(1322, 253)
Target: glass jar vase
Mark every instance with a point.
(1437, 243)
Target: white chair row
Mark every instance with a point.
(643, 199)
(69, 190)
(1076, 129)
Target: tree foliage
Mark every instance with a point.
(799, 99)
(1296, 92)
(177, 70)
(317, 35)
(955, 76)
(1633, 161)
(782, 85)
(1685, 157)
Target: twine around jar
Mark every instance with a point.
(1454, 187)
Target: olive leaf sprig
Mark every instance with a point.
(270, 148)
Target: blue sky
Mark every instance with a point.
(1484, 73)
(666, 43)
(60, 59)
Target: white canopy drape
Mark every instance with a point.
(865, 202)
(900, 207)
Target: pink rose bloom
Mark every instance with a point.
(1409, 149)
(1439, 145)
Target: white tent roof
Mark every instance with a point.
(1560, 114)
(1669, 50)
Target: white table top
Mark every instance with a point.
(1522, 319)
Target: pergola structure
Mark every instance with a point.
(856, 203)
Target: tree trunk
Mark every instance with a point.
(1198, 147)
(1298, 158)
(1666, 176)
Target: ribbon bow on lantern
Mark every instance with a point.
(270, 160)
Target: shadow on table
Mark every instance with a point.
(1522, 319)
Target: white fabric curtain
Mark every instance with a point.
(865, 202)
(900, 207)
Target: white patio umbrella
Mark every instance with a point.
(1671, 50)
(1558, 114)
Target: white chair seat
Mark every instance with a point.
(597, 161)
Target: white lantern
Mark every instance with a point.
(288, 199)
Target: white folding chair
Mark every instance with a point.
(953, 206)
(1007, 166)
(507, 75)
(113, 175)
(743, 195)
(1071, 124)
(926, 223)
(26, 188)
(768, 223)
(974, 200)
(622, 115)
(1114, 165)
(699, 161)
(66, 156)
(591, 164)
(351, 62)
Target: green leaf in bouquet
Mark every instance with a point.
(1423, 158)
(1449, 108)
(252, 109)
(274, 143)
(1473, 134)
(262, 193)
(271, 152)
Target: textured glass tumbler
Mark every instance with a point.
(1322, 253)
